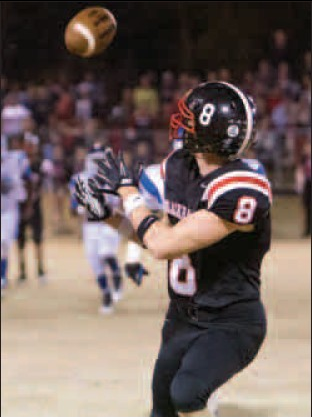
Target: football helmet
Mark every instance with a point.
(215, 117)
(95, 154)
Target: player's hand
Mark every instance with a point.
(135, 271)
(113, 173)
(93, 201)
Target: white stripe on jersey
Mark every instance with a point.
(235, 180)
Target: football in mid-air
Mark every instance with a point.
(90, 32)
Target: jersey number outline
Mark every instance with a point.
(246, 207)
(207, 113)
(182, 267)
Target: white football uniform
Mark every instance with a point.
(100, 240)
(14, 170)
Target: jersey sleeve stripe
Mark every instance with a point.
(235, 176)
(235, 186)
(235, 180)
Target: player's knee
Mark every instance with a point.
(188, 393)
(112, 263)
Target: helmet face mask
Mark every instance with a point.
(214, 118)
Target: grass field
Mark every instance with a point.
(61, 359)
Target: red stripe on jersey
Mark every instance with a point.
(247, 180)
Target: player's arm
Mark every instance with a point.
(196, 231)
(163, 240)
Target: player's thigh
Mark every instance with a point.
(109, 240)
(9, 227)
(91, 247)
(213, 359)
(37, 225)
(176, 339)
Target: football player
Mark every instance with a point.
(35, 220)
(215, 233)
(15, 178)
(101, 242)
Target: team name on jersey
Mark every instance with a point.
(176, 209)
(236, 180)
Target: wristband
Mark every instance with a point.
(133, 202)
(145, 224)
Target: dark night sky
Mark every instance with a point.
(179, 35)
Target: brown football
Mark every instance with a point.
(90, 31)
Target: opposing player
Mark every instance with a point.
(215, 235)
(101, 242)
(35, 219)
(15, 173)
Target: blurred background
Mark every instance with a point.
(126, 95)
(59, 105)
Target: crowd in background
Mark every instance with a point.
(62, 117)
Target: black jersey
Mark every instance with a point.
(239, 192)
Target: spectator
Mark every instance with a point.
(65, 106)
(123, 111)
(279, 48)
(79, 159)
(264, 73)
(60, 178)
(265, 142)
(31, 139)
(144, 152)
(195, 79)
(183, 83)
(224, 74)
(12, 116)
(146, 96)
(273, 98)
(212, 76)
(307, 65)
(83, 105)
(248, 82)
(4, 88)
(87, 86)
(303, 178)
(92, 132)
(41, 104)
(143, 123)
(286, 85)
(306, 88)
(167, 86)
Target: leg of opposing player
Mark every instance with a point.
(9, 223)
(37, 228)
(92, 244)
(21, 241)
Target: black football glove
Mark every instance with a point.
(135, 271)
(93, 201)
(113, 173)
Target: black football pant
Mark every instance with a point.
(198, 355)
(35, 223)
